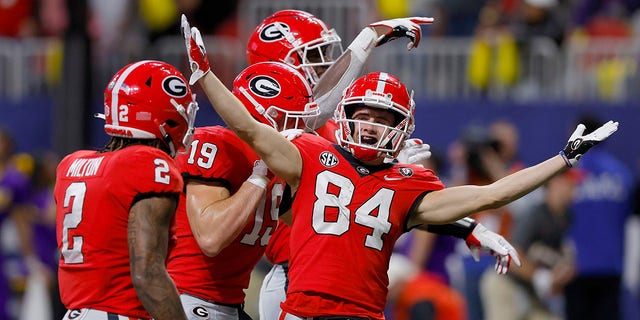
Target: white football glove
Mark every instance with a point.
(402, 27)
(259, 175)
(414, 151)
(198, 60)
(291, 134)
(578, 144)
(484, 239)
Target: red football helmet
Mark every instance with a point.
(277, 95)
(376, 90)
(298, 39)
(150, 100)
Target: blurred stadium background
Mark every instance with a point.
(50, 86)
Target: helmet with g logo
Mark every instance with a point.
(296, 38)
(150, 100)
(277, 95)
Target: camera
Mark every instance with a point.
(477, 140)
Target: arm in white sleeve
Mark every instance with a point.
(339, 76)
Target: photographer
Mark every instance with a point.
(486, 153)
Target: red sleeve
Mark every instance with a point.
(217, 154)
(150, 170)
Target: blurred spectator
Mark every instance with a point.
(631, 276)
(476, 161)
(457, 17)
(54, 17)
(604, 17)
(491, 153)
(162, 18)
(602, 207)
(115, 26)
(539, 18)
(33, 18)
(531, 292)
(483, 155)
(505, 140)
(608, 22)
(14, 193)
(391, 9)
(16, 18)
(504, 37)
(416, 294)
(429, 251)
(43, 264)
(211, 17)
(418, 276)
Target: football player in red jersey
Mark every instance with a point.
(230, 208)
(114, 206)
(305, 42)
(351, 206)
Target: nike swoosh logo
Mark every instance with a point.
(391, 179)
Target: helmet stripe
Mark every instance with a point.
(382, 82)
(116, 89)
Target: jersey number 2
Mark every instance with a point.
(73, 199)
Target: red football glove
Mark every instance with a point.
(198, 60)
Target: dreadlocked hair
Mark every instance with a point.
(118, 143)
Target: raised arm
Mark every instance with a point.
(451, 204)
(280, 155)
(350, 64)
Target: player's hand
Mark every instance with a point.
(578, 144)
(198, 60)
(291, 134)
(483, 239)
(414, 151)
(388, 30)
(259, 174)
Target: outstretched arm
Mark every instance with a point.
(451, 204)
(280, 155)
(350, 64)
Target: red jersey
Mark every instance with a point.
(328, 130)
(346, 220)
(278, 248)
(94, 192)
(277, 251)
(217, 154)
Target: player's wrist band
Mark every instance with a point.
(459, 229)
(566, 160)
(258, 180)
